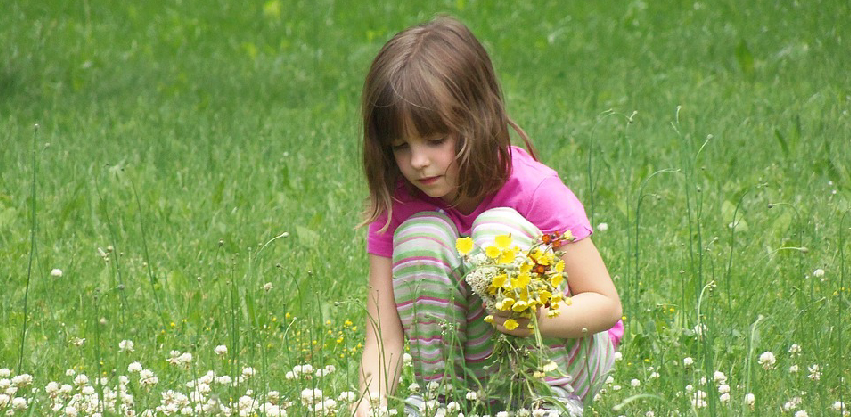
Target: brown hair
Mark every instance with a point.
(435, 78)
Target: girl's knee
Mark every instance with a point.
(430, 232)
(503, 221)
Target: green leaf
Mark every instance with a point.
(306, 236)
(745, 59)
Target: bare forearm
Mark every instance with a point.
(380, 369)
(588, 313)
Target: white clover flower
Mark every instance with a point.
(125, 346)
(723, 389)
(134, 366)
(267, 287)
(618, 356)
(19, 403)
(616, 387)
(147, 377)
(71, 411)
(77, 341)
(650, 413)
(433, 386)
(223, 380)
(80, 380)
(407, 359)
(4, 400)
(719, 377)
(801, 413)
(453, 407)
(52, 388)
(815, 372)
(70, 372)
(502, 414)
(750, 399)
(414, 388)
(56, 273)
(767, 360)
(248, 371)
(818, 273)
(698, 400)
(603, 226)
(347, 397)
(654, 375)
(221, 350)
(472, 396)
(793, 369)
(688, 361)
(22, 380)
(635, 382)
(5, 373)
(724, 398)
(838, 406)
(795, 350)
(311, 396)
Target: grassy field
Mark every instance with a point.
(194, 182)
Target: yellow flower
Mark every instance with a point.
(503, 241)
(464, 245)
(567, 235)
(499, 280)
(520, 306)
(507, 255)
(560, 266)
(492, 252)
(544, 296)
(526, 267)
(489, 318)
(556, 280)
(510, 324)
(506, 302)
(521, 281)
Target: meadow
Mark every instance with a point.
(180, 187)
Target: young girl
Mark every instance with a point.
(438, 160)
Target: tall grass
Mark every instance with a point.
(198, 152)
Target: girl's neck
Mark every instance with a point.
(465, 205)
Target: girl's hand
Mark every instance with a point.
(522, 330)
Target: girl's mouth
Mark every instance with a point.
(429, 180)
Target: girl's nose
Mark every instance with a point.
(419, 157)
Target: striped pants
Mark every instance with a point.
(444, 321)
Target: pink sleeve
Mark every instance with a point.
(554, 207)
(378, 243)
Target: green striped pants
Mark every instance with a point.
(444, 321)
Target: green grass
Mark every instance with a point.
(188, 135)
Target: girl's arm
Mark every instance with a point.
(382, 351)
(595, 306)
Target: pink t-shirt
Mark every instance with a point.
(533, 189)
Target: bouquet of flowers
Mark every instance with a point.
(519, 283)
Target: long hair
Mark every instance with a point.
(435, 78)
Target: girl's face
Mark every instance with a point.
(429, 164)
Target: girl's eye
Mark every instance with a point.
(399, 146)
(436, 142)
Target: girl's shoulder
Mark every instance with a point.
(526, 171)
